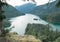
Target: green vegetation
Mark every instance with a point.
(54, 18)
(6, 12)
(11, 12)
(3, 32)
(57, 40)
(34, 32)
(43, 32)
(58, 4)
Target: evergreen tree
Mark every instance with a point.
(58, 3)
(2, 18)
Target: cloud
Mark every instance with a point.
(20, 2)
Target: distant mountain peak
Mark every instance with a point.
(26, 8)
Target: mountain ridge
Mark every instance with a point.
(11, 12)
(48, 10)
(26, 8)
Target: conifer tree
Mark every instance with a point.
(58, 3)
(2, 18)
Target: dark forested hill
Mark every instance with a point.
(42, 32)
(10, 11)
(46, 10)
(36, 29)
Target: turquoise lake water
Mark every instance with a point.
(21, 22)
(54, 26)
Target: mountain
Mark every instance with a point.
(47, 10)
(11, 12)
(26, 8)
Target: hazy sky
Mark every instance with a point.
(20, 2)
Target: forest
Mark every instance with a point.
(33, 32)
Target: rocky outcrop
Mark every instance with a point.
(14, 37)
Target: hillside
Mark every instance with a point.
(25, 38)
(43, 32)
(11, 12)
(52, 18)
(26, 8)
(46, 10)
(14, 37)
(36, 29)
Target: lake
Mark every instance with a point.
(19, 23)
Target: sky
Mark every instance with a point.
(20, 2)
